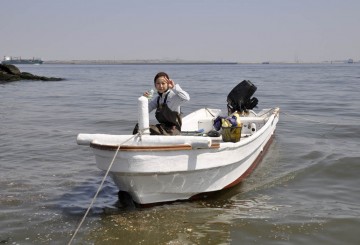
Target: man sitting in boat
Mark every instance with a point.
(167, 104)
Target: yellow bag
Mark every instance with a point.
(231, 134)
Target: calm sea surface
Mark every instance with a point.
(305, 191)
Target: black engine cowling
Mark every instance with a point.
(239, 99)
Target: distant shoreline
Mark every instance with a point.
(136, 62)
(159, 62)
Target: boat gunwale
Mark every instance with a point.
(181, 147)
(143, 148)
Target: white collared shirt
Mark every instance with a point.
(174, 100)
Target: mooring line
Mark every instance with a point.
(94, 198)
(102, 183)
(310, 120)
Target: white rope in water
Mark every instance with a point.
(310, 120)
(100, 187)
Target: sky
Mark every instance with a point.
(193, 30)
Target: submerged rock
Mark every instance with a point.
(10, 73)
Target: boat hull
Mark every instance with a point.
(169, 174)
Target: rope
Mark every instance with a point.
(102, 183)
(266, 112)
(210, 112)
(310, 120)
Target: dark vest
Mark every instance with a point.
(166, 116)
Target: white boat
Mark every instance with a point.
(156, 169)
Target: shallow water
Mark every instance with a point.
(305, 190)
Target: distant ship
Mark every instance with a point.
(18, 61)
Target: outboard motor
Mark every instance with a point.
(239, 99)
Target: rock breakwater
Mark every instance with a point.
(11, 73)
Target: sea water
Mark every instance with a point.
(305, 190)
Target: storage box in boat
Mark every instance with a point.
(206, 124)
(231, 134)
